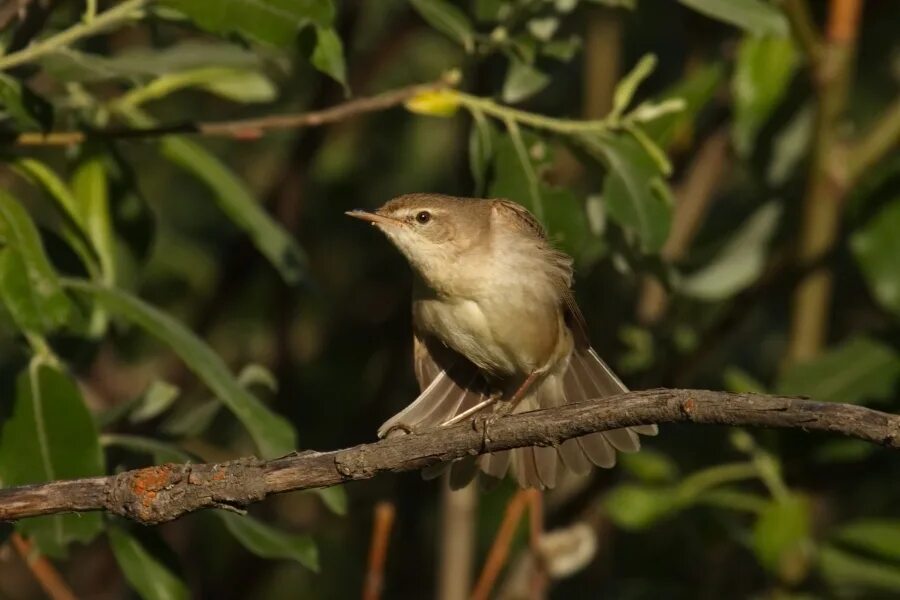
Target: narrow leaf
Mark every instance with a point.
(51, 435)
(145, 573)
(628, 190)
(239, 204)
(448, 19)
(274, 436)
(268, 542)
(328, 55)
(859, 371)
(876, 247)
(755, 16)
(522, 81)
(626, 88)
(271, 22)
(740, 262)
(761, 76)
(28, 283)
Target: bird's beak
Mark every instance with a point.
(373, 218)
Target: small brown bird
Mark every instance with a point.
(495, 326)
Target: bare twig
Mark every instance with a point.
(162, 493)
(381, 536)
(828, 183)
(539, 580)
(239, 129)
(500, 548)
(803, 28)
(46, 574)
(457, 542)
(882, 137)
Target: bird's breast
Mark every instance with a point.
(503, 336)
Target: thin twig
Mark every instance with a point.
(499, 551)
(239, 129)
(157, 494)
(46, 574)
(381, 536)
(539, 578)
(882, 137)
(114, 16)
(456, 547)
(803, 28)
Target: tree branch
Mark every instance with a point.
(239, 129)
(157, 494)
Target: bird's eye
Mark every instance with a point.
(423, 217)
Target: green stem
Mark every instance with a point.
(123, 12)
(507, 114)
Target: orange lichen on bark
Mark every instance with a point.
(148, 482)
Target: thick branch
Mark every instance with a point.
(158, 494)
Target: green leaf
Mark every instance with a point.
(236, 84)
(138, 63)
(522, 81)
(258, 375)
(144, 572)
(628, 190)
(626, 88)
(650, 466)
(637, 507)
(91, 192)
(762, 74)
(268, 542)
(739, 263)
(26, 108)
(328, 55)
(848, 573)
(28, 283)
(859, 371)
(781, 537)
(448, 19)
(754, 16)
(876, 247)
(274, 436)
(879, 537)
(73, 229)
(271, 22)
(239, 204)
(155, 400)
(335, 498)
(193, 421)
(51, 435)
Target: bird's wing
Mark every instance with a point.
(449, 385)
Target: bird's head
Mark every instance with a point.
(434, 232)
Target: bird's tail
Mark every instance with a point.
(584, 377)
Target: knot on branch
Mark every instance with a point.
(158, 494)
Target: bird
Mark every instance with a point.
(496, 328)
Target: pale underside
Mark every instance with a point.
(468, 348)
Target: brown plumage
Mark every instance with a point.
(492, 305)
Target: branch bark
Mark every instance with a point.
(240, 129)
(158, 494)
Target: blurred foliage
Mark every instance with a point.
(147, 283)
